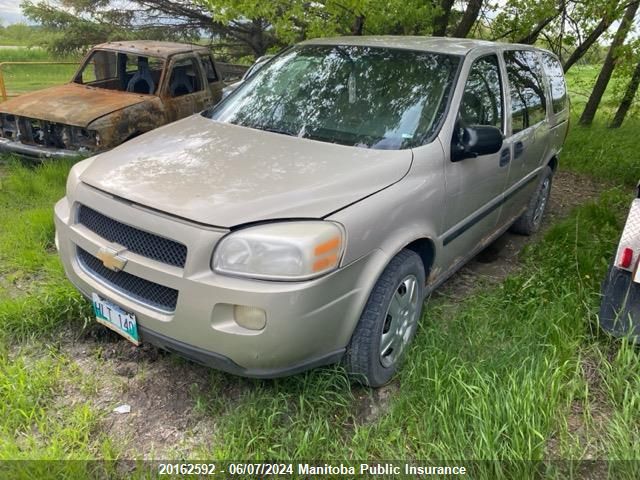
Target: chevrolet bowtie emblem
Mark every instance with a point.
(111, 258)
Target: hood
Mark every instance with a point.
(70, 104)
(225, 175)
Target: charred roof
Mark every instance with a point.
(151, 47)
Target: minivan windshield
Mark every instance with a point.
(360, 96)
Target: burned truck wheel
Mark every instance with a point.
(620, 304)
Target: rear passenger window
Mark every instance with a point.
(528, 104)
(185, 78)
(482, 97)
(555, 74)
(207, 63)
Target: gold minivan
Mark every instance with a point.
(303, 220)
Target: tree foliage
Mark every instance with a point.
(78, 24)
(573, 29)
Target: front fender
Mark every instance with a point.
(121, 125)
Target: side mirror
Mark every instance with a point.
(472, 141)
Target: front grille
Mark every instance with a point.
(33, 131)
(144, 291)
(138, 241)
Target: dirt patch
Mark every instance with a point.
(19, 284)
(164, 422)
(372, 404)
(500, 258)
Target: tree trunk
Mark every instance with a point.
(468, 19)
(609, 64)
(441, 22)
(358, 25)
(581, 49)
(627, 100)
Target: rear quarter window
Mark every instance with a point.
(555, 74)
(207, 64)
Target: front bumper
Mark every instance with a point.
(308, 323)
(220, 362)
(36, 151)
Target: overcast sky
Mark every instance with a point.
(10, 12)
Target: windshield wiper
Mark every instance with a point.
(302, 133)
(277, 130)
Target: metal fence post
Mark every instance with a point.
(3, 89)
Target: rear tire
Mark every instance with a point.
(389, 321)
(531, 220)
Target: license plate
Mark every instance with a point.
(116, 319)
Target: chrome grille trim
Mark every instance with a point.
(137, 241)
(138, 289)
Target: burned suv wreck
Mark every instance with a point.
(121, 90)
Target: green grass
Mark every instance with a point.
(599, 151)
(605, 153)
(580, 80)
(27, 253)
(36, 423)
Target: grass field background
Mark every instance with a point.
(24, 78)
(518, 371)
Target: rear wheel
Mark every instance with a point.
(389, 321)
(531, 220)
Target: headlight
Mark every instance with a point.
(84, 139)
(74, 175)
(281, 251)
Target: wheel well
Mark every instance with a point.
(133, 135)
(424, 247)
(553, 163)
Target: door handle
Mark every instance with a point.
(505, 157)
(518, 148)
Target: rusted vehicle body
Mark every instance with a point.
(122, 89)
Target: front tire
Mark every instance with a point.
(389, 321)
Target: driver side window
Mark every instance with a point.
(482, 100)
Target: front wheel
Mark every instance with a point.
(389, 321)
